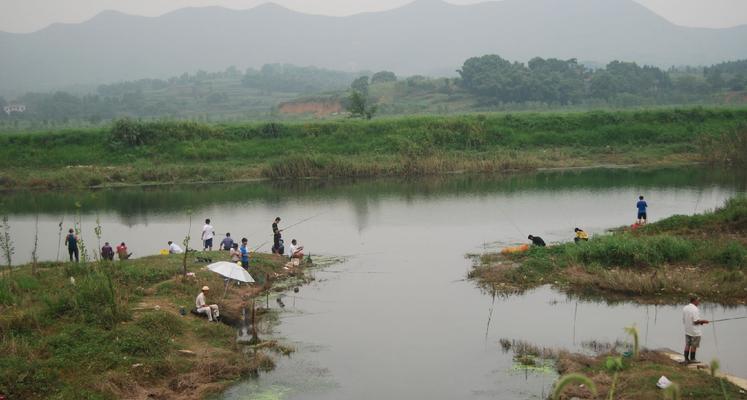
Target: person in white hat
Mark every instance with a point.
(211, 310)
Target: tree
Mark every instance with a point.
(359, 105)
(383, 76)
(360, 85)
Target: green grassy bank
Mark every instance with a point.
(132, 152)
(112, 330)
(660, 263)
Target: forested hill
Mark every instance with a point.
(426, 37)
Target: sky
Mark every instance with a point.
(32, 15)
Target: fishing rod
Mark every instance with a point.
(727, 319)
(304, 220)
(290, 226)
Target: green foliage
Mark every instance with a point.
(137, 341)
(162, 322)
(572, 379)
(633, 332)
(673, 392)
(131, 133)
(613, 364)
(625, 250)
(383, 77)
(359, 105)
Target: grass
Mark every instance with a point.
(168, 151)
(112, 330)
(638, 376)
(661, 262)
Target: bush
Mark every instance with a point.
(625, 250)
(137, 341)
(732, 255)
(167, 324)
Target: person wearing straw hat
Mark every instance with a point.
(202, 308)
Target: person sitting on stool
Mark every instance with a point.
(202, 308)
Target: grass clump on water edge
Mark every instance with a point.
(659, 263)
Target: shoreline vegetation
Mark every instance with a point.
(135, 152)
(106, 330)
(621, 370)
(660, 262)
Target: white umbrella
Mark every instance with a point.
(230, 271)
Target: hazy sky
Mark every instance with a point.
(31, 15)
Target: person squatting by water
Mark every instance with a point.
(295, 250)
(580, 235)
(71, 240)
(123, 252)
(277, 237)
(202, 307)
(692, 322)
(227, 242)
(174, 248)
(107, 253)
(641, 206)
(208, 232)
(537, 241)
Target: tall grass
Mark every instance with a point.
(572, 379)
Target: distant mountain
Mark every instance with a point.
(424, 37)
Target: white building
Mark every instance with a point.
(11, 108)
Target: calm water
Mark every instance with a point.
(396, 319)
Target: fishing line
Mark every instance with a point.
(507, 217)
(288, 227)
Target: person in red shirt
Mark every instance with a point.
(122, 251)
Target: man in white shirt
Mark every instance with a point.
(174, 248)
(208, 232)
(692, 322)
(295, 250)
(202, 307)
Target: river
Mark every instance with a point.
(397, 319)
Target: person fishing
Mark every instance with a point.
(174, 248)
(202, 307)
(227, 242)
(244, 250)
(208, 232)
(537, 241)
(71, 241)
(692, 323)
(276, 236)
(107, 252)
(580, 236)
(642, 206)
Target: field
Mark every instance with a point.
(134, 152)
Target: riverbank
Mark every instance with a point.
(132, 152)
(660, 263)
(114, 330)
(621, 371)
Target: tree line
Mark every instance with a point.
(564, 82)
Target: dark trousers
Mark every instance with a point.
(73, 252)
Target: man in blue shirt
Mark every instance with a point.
(641, 205)
(244, 254)
(227, 242)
